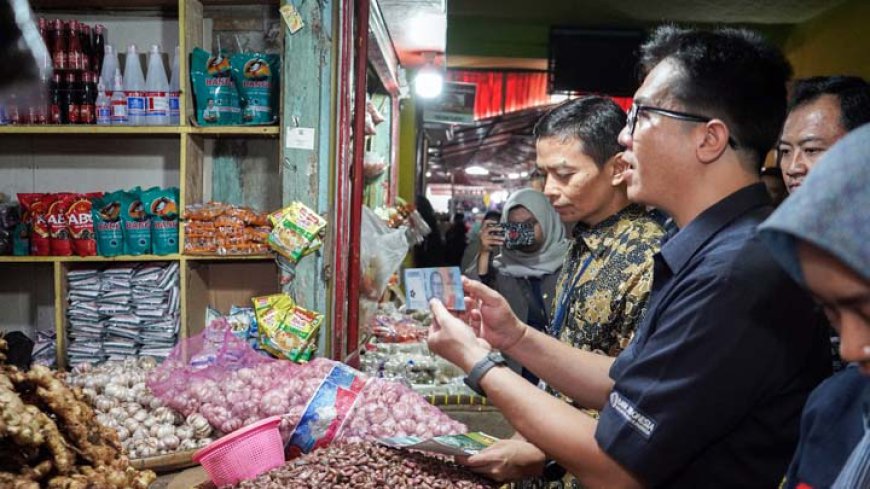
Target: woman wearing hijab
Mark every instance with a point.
(532, 252)
(820, 235)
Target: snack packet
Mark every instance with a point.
(60, 244)
(295, 229)
(80, 220)
(106, 211)
(216, 97)
(161, 205)
(36, 215)
(256, 76)
(21, 239)
(137, 225)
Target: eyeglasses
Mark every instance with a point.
(631, 121)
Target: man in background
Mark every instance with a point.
(821, 111)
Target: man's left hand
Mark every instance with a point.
(453, 339)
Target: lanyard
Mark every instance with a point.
(556, 328)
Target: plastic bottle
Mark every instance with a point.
(156, 88)
(119, 100)
(71, 101)
(134, 88)
(55, 99)
(103, 106)
(74, 54)
(99, 49)
(89, 99)
(174, 93)
(107, 72)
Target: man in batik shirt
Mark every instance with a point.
(605, 283)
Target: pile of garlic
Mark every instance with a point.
(122, 401)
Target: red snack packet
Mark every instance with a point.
(60, 244)
(36, 215)
(81, 223)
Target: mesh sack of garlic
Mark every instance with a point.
(145, 426)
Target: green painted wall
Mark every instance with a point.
(407, 149)
(475, 36)
(835, 42)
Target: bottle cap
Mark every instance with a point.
(155, 49)
(131, 49)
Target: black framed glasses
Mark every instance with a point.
(631, 121)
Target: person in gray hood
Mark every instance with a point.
(820, 236)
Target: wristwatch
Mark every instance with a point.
(492, 359)
(553, 471)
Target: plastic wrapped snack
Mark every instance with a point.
(256, 76)
(216, 96)
(295, 229)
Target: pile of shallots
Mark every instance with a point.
(145, 426)
(244, 396)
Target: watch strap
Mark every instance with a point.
(472, 380)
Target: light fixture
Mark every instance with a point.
(524, 174)
(513, 176)
(430, 80)
(477, 171)
(428, 174)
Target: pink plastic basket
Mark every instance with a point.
(244, 453)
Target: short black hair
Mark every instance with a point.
(853, 92)
(732, 74)
(771, 171)
(592, 120)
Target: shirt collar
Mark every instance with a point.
(681, 246)
(594, 237)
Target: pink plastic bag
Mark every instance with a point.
(219, 376)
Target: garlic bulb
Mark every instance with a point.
(123, 433)
(184, 432)
(155, 403)
(141, 415)
(165, 430)
(139, 434)
(203, 442)
(170, 442)
(131, 424)
(200, 425)
(187, 445)
(105, 403)
(149, 422)
(118, 413)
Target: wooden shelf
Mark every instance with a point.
(229, 257)
(236, 130)
(91, 129)
(103, 4)
(144, 131)
(85, 259)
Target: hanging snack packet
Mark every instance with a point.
(36, 215)
(216, 97)
(162, 206)
(137, 225)
(21, 239)
(256, 76)
(58, 230)
(296, 227)
(106, 211)
(80, 220)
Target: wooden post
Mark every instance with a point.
(307, 85)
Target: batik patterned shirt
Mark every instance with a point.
(610, 293)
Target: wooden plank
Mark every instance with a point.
(196, 285)
(90, 129)
(307, 88)
(192, 189)
(193, 38)
(60, 291)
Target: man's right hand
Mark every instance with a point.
(498, 325)
(507, 460)
(489, 238)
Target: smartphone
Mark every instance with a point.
(517, 234)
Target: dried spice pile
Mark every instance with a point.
(49, 436)
(367, 465)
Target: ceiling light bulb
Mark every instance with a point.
(513, 176)
(428, 174)
(477, 170)
(429, 82)
(524, 174)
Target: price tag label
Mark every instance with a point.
(300, 138)
(292, 18)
